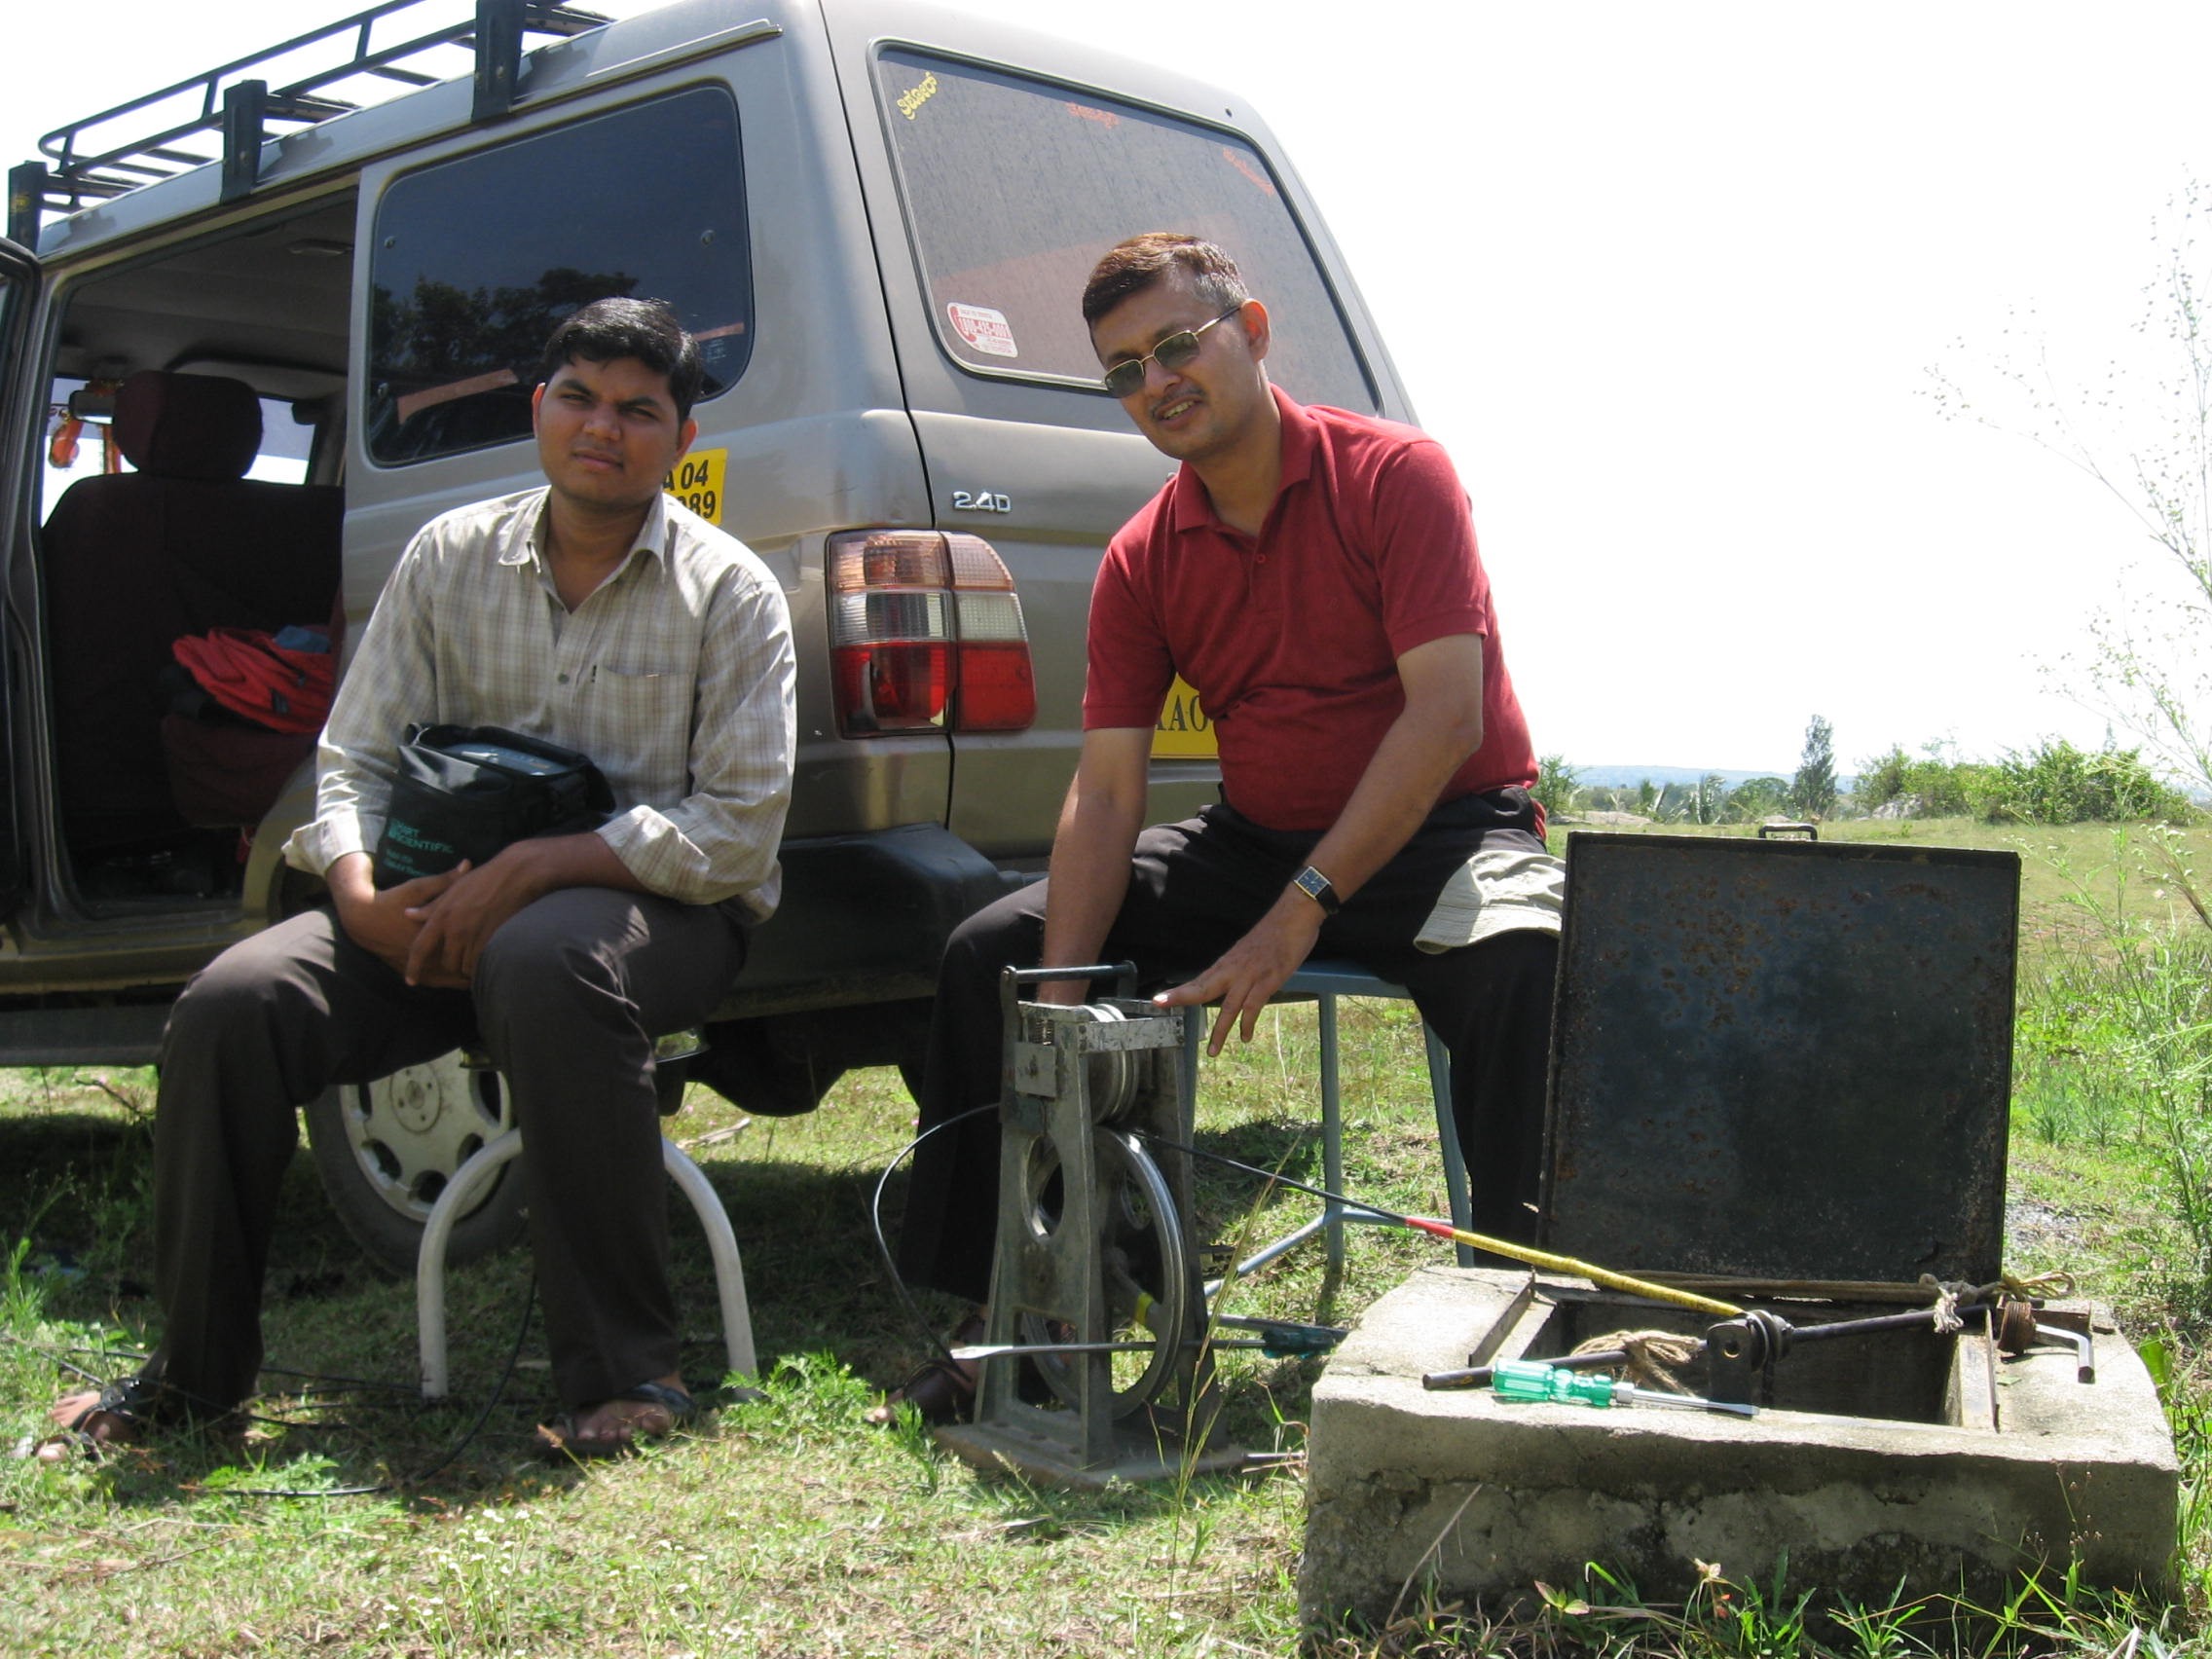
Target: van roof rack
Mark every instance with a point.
(90, 165)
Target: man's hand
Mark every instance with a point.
(1439, 728)
(454, 925)
(1252, 969)
(384, 923)
(459, 922)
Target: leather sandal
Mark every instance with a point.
(942, 1390)
(138, 1405)
(559, 1439)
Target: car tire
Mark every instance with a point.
(386, 1149)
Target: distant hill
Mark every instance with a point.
(1627, 777)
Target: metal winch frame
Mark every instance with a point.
(1095, 1282)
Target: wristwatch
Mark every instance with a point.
(1316, 886)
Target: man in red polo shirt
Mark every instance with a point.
(1313, 574)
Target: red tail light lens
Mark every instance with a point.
(926, 633)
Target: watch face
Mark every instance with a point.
(1316, 886)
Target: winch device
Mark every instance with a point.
(1095, 1284)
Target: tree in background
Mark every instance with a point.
(1812, 793)
(1708, 803)
(1556, 786)
(2052, 783)
(2147, 668)
(1758, 798)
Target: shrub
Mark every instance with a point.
(2055, 782)
(1556, 786)
(1929, 787)
(1880, 780)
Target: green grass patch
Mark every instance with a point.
(788, 1527)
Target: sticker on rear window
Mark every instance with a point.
(911, 101)
(983, 329)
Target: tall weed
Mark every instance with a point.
(2124, 1012)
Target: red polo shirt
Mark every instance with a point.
(1292, 637)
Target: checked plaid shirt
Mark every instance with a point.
(676, 676)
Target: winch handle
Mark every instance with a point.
(1124, 972)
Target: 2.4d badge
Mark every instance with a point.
(981, 501)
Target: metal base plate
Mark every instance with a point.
(1045, 1446)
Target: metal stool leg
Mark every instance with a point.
(1331, 1136)
(1448, 1138)
(430, 1256)
(721, 1244)
(1325, 982)
(1194, 1045)
(473, 1175)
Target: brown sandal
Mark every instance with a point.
(943, 1390)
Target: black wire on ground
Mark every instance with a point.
(899, 1288)
(453, 1452)
(499, 1391)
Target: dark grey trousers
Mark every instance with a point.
(567, 998)
(1195, 889)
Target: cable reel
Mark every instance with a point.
(1111, 1072)
(1095, 1280)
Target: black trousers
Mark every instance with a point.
(1196, 888)
(567, 998)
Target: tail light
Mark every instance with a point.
(926, 634)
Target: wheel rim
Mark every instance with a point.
(1142, 1252)
(409, 1132)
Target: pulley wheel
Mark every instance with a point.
(1111, 1074)
(1145, 1264)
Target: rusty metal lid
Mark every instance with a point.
(1783, 1059)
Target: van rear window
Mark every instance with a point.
(478, 259)
(1013, 188)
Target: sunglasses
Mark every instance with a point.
(1126, 379)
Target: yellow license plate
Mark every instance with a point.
(697, 482)
(1183, 732)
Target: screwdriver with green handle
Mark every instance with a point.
(1530, 1380)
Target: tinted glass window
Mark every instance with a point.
(476, 261)
(1015, 187)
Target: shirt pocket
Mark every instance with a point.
(637, 723)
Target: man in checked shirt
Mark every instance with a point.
(599, 614)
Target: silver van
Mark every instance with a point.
(258, 327)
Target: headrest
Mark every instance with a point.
(188, 425)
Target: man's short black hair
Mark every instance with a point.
(620, 327)
(1133, 266)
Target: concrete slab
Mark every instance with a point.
(2021, 1466)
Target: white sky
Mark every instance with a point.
(1667, 281)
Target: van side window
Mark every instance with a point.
(1013, 188)
(475, 260)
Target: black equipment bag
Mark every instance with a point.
(466, 791)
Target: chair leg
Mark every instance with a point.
(1448, 1138)
(722, 1244)
(473, 1177)
(1331, 1137)
(430, 1256)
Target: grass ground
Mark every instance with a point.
(788, 1527)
